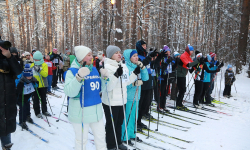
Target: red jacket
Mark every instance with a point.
(50, 65)
(185, 58)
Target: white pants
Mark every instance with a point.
(98, 132)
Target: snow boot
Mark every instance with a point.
(137, 139)
(47, 114)
(211, 105)
(29, 119)
(24, 126)
(39, 116)
(141, 125)
(122, 147)
(166, 110)
(139, 129)
(129, 143)
(197, 106)
(183, 108)
(7, 146)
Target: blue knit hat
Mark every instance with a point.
(38, 56)
(166, 48)
(190, 47)
(176, 54)
(27, 71)
(229, 66)
(132, 53)
(209, 57)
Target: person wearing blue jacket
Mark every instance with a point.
(82, 85)
(133, 93)
(214, 63)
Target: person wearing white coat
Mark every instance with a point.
(113, 96)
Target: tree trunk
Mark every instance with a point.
(36, 25)
(118, 26)
(104, 28)
(133, 26)
(28, 29)
(49, 30)
(242, 45)
(12, 39)
(23, 32)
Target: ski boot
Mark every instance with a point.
(7, 146)
(197, 106)
(137, 139)
(29, 120)
(47, 114)
(122, 147)
(24, 126)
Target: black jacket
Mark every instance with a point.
(56, 57)
(10, 68)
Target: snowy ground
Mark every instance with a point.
(227, 133)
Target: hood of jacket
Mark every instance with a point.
(126, 55)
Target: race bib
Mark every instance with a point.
(153, 72)
(28, 88)
(55, 61)
(125, 76)
(49, 64)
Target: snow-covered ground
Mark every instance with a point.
(227, 133)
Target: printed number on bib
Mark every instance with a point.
(94, 85)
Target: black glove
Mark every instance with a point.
(163, 54)
(221, 65)
(119, 71)
(217, 63)
(169, 60)
(211, 65)
(201, 60)
(37, 68)
(153, 54)
(137, 70)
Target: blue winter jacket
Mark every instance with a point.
(207, 76)
(131, 90)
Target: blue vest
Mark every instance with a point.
(92, 87)
(148, 66)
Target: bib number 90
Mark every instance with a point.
(94, 85)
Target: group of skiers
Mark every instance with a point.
(121, 85)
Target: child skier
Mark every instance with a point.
(133, 93)
(229, 80)
(25, 89)
(114, 94)
(40, 72)
(82, 85)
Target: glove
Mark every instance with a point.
(169, 60)
(140, 64)
(153, 54)
(163, 54)
(137, 83)
(137, 70)
(211, 65)
(82, 72)
(118, 72)
(37, 68)
(104, 73)
(221, 65)
(201, 60)
(217, 63)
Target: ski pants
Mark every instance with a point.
(181, 84)
(130, 120)
(98, 132)
(198, 91)
(144, 103)
(42, 93)
(24, 111)
(55, 77)
(60, 74)
(118, 118)
(49, 78)
(164, 84)
(5, 140)
(205, 93)
(156, 89)
(227, 90)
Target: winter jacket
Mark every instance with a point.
(50, 66)
(55, 58)
(148, 84)
(66, 61)
(26, 89)
(200, 70)
(207, 75)
(131, 90)
(72, 89)
(42, 75)
(9, 69)
(113, 86)
(184, 63)
(229, 77)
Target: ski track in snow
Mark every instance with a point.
(227, 133)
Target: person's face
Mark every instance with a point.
(68, 53)
(28, 77)
(191, 52)
(168, 53)
(134, 58)
(27, 57)
(47, 57)
(117, 56)
(33, 52)
(55, 52)
(144, 46)
(215, 57)
(230, 69)
(178, 56)
(88, 58)
(14, 54)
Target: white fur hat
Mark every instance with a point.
(81, 52)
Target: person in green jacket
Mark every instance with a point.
(82, 85)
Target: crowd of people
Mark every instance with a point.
(123, 85)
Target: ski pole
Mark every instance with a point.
(149, 117)
(159, 102)
(220, 87)
(50, 106)
(136, 109)
(22, 106)
(82, 105)
(61, 110)
(111, 116)
(124, 109)
(235, 88)
(175, 90)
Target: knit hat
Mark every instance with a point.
(166, 48)
(67, 51)
(189, 47)
(54, 49)
(27, 71)
(111, 50)
(33, 50)
(176, 54)
(26, 53)
(209, 57)
(13, 50)
(81, 52)
(132, 53)
(212, 54)
(229, 66)
(199, 55)
(197, 52)
(142, 42)
(38, 56)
